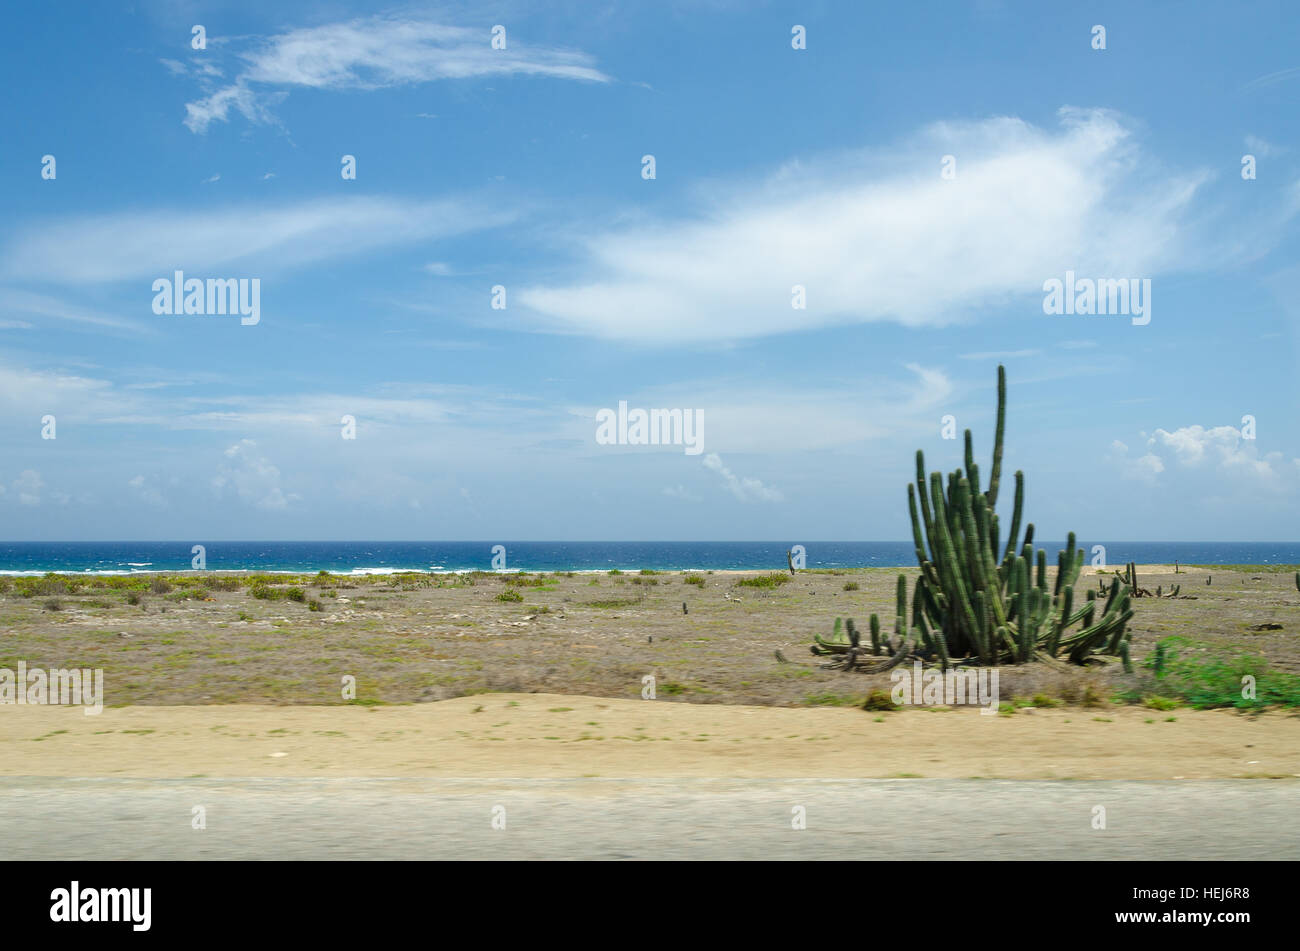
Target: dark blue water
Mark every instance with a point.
(379, 557)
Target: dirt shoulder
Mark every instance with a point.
(565, 736)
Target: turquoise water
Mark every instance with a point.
(379, 557)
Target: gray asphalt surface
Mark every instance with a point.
(638, 819)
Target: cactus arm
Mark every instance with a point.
(995, 474)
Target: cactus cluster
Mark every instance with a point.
(1130, 577)
(994, 603)
(845, 642)
(977, 601)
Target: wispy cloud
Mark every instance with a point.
(888, 239)
(1272, 79)
(368, 54)
(252, 478)
(28, 486)
(26, 303)
(1000, 354)
(1262, 147)
(151, 244)
(743, 488)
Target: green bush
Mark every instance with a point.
(40, 587)
(773, 580)
(510, 595)
(879, 699)
(189, 594)
(1218, 680)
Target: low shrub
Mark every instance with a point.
(774, 580)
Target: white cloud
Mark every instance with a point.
(371, 54)
(1261, 148)
(743, 488)
(1218, 454)
(888, 239)
(252, 477)
(1271, 79)
(783, 417)
(28, 485)
(41, 305)
(146, 492)
(153, 244)
(680, 492)
(1000, 354)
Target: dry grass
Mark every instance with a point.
(421, 638)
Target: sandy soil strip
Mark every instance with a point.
(556, 736)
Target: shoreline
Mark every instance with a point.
(383, 571)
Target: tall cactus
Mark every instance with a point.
(993, 602)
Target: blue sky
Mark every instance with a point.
(774, 167)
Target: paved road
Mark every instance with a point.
(640, 819)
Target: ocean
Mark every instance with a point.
(388, 557)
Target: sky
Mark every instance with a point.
(816, 227)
